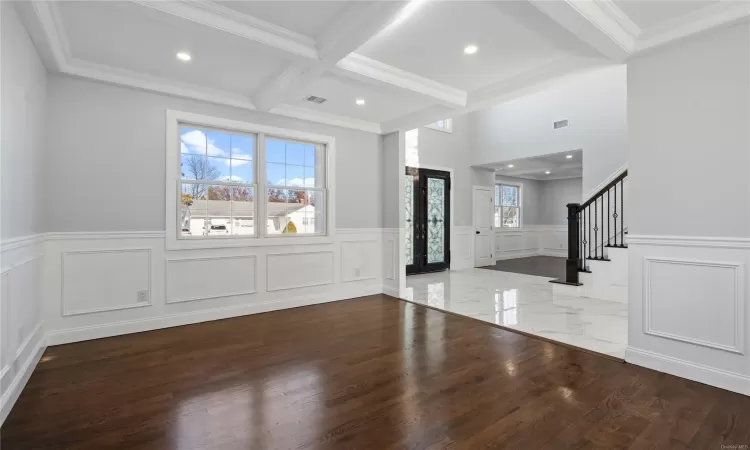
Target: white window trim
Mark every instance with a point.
(520, 205)
(447, 129)
(172, 210)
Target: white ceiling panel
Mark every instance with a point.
(649, 13)
(559, 166)
(381, 103)
(141, 39)
(430, 43)
(309, 18)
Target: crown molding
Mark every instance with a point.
(53, 31)
(326, 118)
(624, 21)
(239, 24)
(124, 77)
(722, 13)
(593, 24)
(367, 67)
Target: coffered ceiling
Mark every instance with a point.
(406, 60)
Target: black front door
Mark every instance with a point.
(427, 203)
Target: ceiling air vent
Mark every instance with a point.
(561, 124)
(317, 100)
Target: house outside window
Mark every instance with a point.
(507, 206)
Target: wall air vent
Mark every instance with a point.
(317, 100)
(560, 124)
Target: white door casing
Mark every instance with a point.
(484, 208)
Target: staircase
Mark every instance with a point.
(597, 263)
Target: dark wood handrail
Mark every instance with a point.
(603, 190)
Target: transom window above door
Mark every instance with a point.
(507, 206)
(243, 184)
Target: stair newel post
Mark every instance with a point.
(572, 263)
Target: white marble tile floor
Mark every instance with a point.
(525, 303)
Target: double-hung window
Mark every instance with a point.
(507, 206)
(295, 188)
(217, 176)
(232, 183)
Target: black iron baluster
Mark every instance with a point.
(581, 238)
(609, 227)
(589, 240)
(622, 221)
(603, 241)
(614, 215)
(596, 231)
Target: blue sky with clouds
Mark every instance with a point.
(287, 163)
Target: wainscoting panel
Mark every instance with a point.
(532, 240)
(298, 270)
(717, 324)
(209, 277)
(105, 280)
(359, 260)
(688, 301)
(22, 340)
(391, 270)
(194, 285)
(462, 248)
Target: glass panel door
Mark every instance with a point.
(427, 220)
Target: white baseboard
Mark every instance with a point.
(558, 253)
(98, 331)
(393, 292)
(19, 382)
(730, 381)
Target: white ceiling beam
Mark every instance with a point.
(360, 22)
(231, 21)
(596, 23)
(366, 67)
(718, 14)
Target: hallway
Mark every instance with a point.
(525, 303)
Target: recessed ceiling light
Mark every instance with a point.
(569, 156)
(510, 166)
(360, 101)
(547, 172)
(471, 49)
(183, 56)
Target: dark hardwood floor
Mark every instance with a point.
(370, 373)
(542, 266)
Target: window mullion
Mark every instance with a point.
(262, 195)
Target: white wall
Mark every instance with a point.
(438, 149)
(394, 238)
(554, 196)
(22, 102)
(595, 104)
(107, 271)
(689, 252)
(107, 149)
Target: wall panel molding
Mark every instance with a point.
(324, 276)
(360, 260)
(67, 311)
(182, 260)
(737, 304)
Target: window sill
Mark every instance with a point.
(275, 241)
